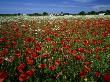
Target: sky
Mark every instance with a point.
(52, 6)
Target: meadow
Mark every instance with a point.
(55, 49)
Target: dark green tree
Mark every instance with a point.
(92, 13)
(36, 14)
(82, 13)
(45, 14)
(107, 12)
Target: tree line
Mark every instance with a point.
(107, 12)
(33, 14)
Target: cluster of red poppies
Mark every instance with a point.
(55, 50)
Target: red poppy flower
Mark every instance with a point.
(87, 63)
(95, 33)
(74, 52)
(3, 40)
(45, 55)
(18, 55)
(81, 50)
(56, 34)
(29, 39)
(79, 57)
(87, 68)
(38, 47)
(62, 42)
(105, 34)
(83, 74)
(3, 76)
(1, 60)
(52, 68)
(14, 44)
(86, 42)
(28, 51)
(77, 40)
(89, 51)
(30, 61)
(57, 62)
(34, 55)
(4, 33)
(67, 46)
(23, 77)
(94, 42)
(54, 43)
(5, 51)
(48, 39)
(99, 42)
(7, 46)
(30, 73)
(97, 74)
(42, 66)
(18, 35)
(55, 49)
(21, 67)
(97, 50)
(106, 77)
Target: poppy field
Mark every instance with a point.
(74, 49)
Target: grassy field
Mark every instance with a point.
(55, 49)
